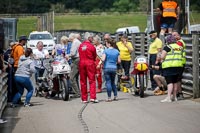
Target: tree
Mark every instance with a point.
(126, 5)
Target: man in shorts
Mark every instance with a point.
(170, 14)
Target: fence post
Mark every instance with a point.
(133, 40)
(142, 41)
(195, 67)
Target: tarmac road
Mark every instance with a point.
(130, 114)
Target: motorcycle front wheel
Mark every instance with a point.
(64, 89)
(141, 86)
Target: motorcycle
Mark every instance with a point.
(140, 74)
(44, 83)
(60, 75)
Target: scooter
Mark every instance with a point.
(140, 74)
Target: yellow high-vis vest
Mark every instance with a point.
(174, 57)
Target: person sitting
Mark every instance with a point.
(159, 79)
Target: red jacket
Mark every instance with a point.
(87, 52)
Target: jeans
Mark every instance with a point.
(110, 81)
(39, 73)
(21, 83)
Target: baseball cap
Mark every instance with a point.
(152, 32)
(23, 37)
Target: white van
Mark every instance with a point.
(128, 30)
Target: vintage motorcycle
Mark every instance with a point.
(140, 74)
(44, 83)
(60, 75)
(55, 78)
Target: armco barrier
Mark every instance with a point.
(3, 92)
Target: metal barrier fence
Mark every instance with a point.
(3, 92)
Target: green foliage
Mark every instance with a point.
(83, 6)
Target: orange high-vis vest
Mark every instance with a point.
(169, 8)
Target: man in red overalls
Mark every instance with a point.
(87, 68)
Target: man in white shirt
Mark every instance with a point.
(40, 53)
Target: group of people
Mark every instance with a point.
(92, 60)
(167, 65)
(20, 68)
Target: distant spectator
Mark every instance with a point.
(170, 14)
(40, 53)
(1, 61)
(154, 48)
(78, 36)
(18, 50)
(99, 49)
(125, 48)
(181, 43)
(10, 71)
(60, 48)
(171, 65)
(74, 56)
(106, 36)
(158, 77)
(110, 58)
(26, 68)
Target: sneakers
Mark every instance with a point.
(13, 105)
(180, 96)
(159, 93)
(115, 98)
(94, 100)
(167, 99)
(109, 100)
(174, 99)
(28, 105)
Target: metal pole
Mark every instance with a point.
(152, 16)
(188, 15)
(195, 67)
(53, 24)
